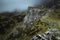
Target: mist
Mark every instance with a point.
(21, 5)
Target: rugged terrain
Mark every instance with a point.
(25, 25)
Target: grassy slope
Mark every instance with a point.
(55, 16)
(39, 26)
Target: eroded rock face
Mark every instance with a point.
(51, 34)
(33, 14)
(48, 35)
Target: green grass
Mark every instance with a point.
(55, 16)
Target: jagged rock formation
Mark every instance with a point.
(33, 14)
(31, 25)
(36, 21)
(49, 35)
(53, 32)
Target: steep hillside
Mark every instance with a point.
(21, 26)
(8, 22)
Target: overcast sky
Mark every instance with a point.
(10, 5)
